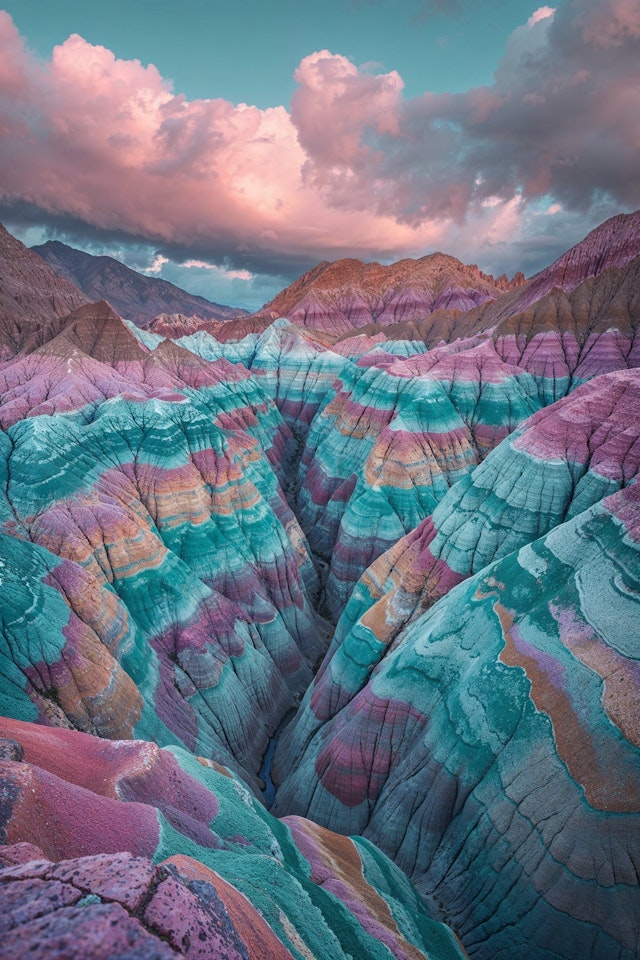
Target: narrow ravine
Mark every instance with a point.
(269, 790)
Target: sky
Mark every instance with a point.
(229, 147)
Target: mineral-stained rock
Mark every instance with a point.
(612, 244)
(347, 294)
(494, 752)
(562, 461)
(293, 367)
(156, 584)
(156, 853)
(608, 248)
(565, 339)
(386, 449)
(162, 505)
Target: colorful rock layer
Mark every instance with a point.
(476, 714)
(185, 863)
(158, 543)
(494, 751)
(388, 429)
(562, 461)
(347, 294)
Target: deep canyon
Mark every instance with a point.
(397, 509)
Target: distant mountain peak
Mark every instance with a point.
(134, 295)
(339, 296)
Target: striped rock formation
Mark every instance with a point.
(494, 751)
(612, 244)
(185, 863)
(338, 297)
(563, 460)
(476, 713)
(386, 449)
(294, 367)
(152, 507)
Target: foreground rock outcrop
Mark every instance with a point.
(185, 862)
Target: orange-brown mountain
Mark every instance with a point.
(346, 294)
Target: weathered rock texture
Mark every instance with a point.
(564, 460)
(184, 862)
(494, 751)
(172, 517)
(338, 297)
(173, 580)
(610, 246)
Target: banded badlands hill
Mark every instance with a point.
(389, 581)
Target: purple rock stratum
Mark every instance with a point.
(319, 628)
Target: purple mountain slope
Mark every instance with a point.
(137, 297)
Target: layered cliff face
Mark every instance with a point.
(611, 246)
(383, 433)
(338, 297)
(563, 340)
(141, 485)
(563, 460)
(494, 751)
(386, 449)
(206, 871)
(173, 518)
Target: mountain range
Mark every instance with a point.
(136, 297)
(320, 631)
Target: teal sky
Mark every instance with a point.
(515, 133)
(247, 50)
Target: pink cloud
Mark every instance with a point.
(542, 13)
(355, 168)
(613, 24)
(107, 141)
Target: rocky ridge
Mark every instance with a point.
(135, 296)
(467, 513)
(347, 294)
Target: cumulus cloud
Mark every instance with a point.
(542, 13)
(561, 118)
(354, 168)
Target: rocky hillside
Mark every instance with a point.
(347, 294)
(613, 244)
(396, 585)
(137, 297)
(31, 293)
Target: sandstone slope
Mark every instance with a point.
(346, 294)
